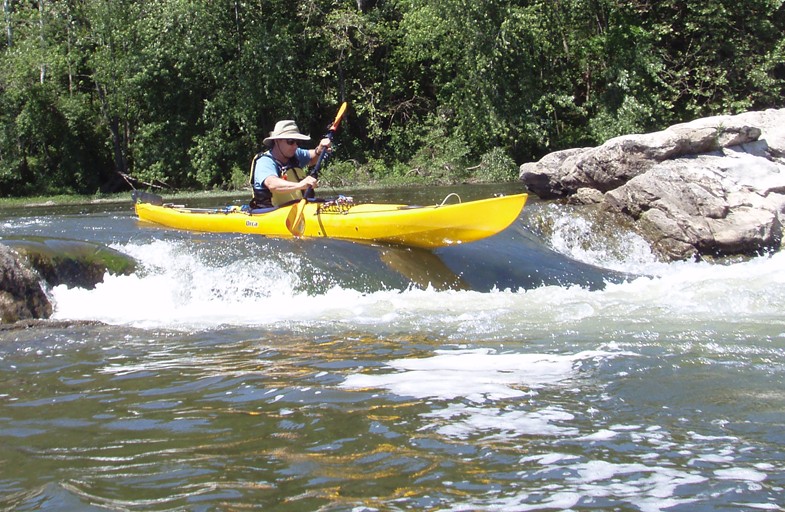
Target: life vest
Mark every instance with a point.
(263, 197)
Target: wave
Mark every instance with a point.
(186, 285)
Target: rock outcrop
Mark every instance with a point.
(21, 294)
(714, 186)
(73, 263)
(29, 265)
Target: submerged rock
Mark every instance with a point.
(715, 186)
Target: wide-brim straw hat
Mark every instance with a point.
(285, 130)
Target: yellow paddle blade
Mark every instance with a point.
(295, 221)
(338, 117)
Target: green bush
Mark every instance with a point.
(496, 166)
(239, 178)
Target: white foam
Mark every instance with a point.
(602, 435)
(26, 222)
(179, 288)
(462, 422)
(479, 375)
(647, 488)
(759, 506)
(581, 239)
(744, 474)
(650, 488)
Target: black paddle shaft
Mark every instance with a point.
(309, 194)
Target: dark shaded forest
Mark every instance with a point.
(99, 96)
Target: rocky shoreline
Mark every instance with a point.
(711, 187)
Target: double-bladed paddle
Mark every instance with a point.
(295, 221)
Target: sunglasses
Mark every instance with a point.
(291, 142)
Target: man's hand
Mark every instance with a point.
(308, 182)
(324, 144)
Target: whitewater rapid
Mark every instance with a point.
(184, 286)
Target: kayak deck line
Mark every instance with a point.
(325, 206)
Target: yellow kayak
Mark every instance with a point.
(426, 227)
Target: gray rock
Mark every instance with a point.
(715, 186)
(30, 264)
(21, 294)
(74, 263)
(586, 195)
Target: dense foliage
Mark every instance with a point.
(99, 95)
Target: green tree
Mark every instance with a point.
(716, 56)
(49, 144)
(101, 95)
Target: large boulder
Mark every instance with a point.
(28, 265)
(715, 186)
(21, 294)
(74, 263)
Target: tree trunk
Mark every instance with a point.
(41, 26)
(238, 27)
(9, 32)
(118, 138)
(69, 52)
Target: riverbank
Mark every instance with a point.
(327, 188)
(120, 197)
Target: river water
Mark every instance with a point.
(554, 366)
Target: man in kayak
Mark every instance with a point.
(279, 175)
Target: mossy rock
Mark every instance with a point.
(73, 263)
(21, 295)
